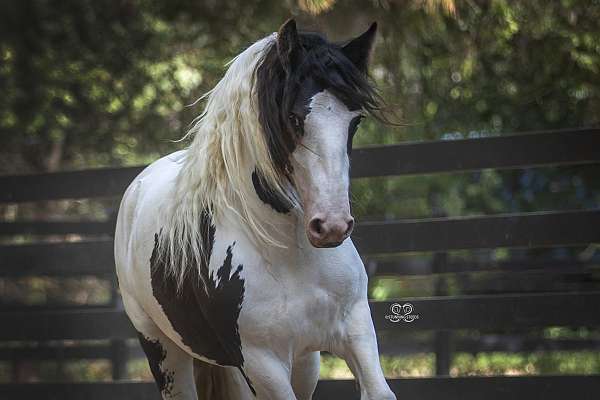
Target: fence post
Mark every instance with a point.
(118, 347)
(443, 338)
(119, 352)
(119, 358)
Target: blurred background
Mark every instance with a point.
(88, 84)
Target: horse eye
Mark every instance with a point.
(296, 121)
(354, 125)
(352, 130)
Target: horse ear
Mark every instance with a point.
(288, 45)
(358, 50)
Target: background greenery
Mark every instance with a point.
(108, 83)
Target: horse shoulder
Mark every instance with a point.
(137, 221)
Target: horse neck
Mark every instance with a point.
(281, 226)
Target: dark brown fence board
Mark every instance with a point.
(564, 147)
(90, 183)
(52, 305)
(465, 388)
(517, 230)
(392, 345)
(57, 228)
(458, 312)
(423, 267)
(44, 352)
(475, 388)
(77, 258)
(79, 391)
(71, 324)
(387, 346)
(74, 259)
(494, 311)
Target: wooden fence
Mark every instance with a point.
(384, 246)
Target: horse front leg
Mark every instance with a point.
(171, 367)
(358, 347)
(270, 374)
(305, 375)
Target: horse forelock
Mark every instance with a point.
(283, 94)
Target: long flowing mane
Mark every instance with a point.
(245, 128)
(227, 145)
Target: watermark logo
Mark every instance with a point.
(402, 312)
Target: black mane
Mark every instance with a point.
(321, 64)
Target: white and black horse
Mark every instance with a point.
(233, 256)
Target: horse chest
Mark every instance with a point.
(298, 300)
(304, 300)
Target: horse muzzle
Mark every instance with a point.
(326, 231)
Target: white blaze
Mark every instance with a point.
(321, 164)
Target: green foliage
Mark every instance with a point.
(581, 362)
(40, 290)
(393, 367)
(5, 372)
(482, 364)
(106, 83)
(89, 83)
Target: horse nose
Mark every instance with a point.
(329, 231)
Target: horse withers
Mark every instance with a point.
(233, 256)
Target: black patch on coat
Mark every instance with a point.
(156, 354)
(206, 318)
(268, 195)
(297, 67)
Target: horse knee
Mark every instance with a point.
(170, 366)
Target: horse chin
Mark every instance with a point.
(325, 245)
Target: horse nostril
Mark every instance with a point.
(316, 226)
(350, 224)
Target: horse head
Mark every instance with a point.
(312, 95)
